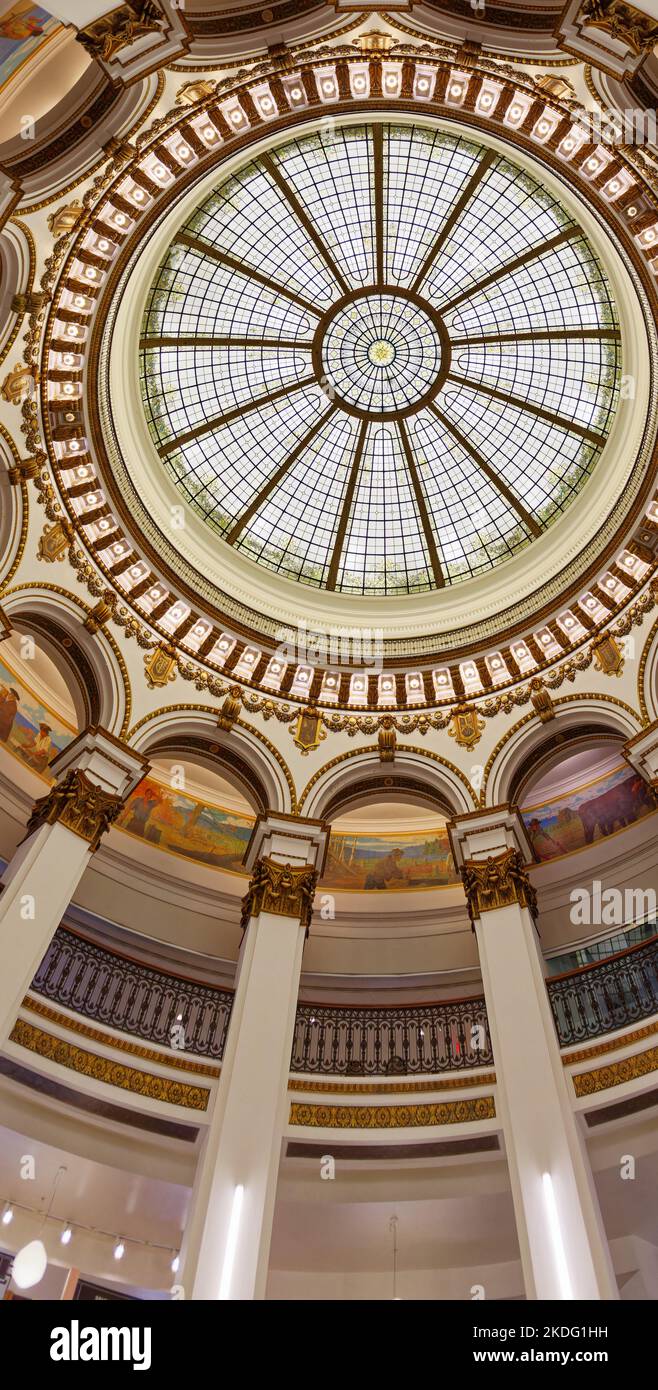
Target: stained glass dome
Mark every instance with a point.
(380, 359)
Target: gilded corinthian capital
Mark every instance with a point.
(280, 889)
(80, 805)
(498, 881)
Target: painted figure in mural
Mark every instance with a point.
(9, 702)
(21, 22)
(386, 869)
(544, 845)
(139, 808)
(38, 754)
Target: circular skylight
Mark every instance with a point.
(380, 359)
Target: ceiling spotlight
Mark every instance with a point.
(119, 1250)
(66, 1236)
(7, 1215)
(175, 1264)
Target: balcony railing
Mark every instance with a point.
(134, 998)
(330, 1039)
(387, 1041)
(610, 994)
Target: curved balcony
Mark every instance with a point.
(337, 1040)
(607, 995)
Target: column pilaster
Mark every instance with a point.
(563, 1247)
(228, 1232)
(93, 778)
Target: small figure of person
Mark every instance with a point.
(544, 845)
(38, 754)
(9, 702)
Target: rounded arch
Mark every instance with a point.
(96, 671)
(520, 751)
(17, 264)
(244, 756)
(647, 678)
(416, 772)
(14, 509)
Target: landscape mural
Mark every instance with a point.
(27, 728)
(591, 812)
(174, 821)
(377, 863)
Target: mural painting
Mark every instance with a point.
(27, 728)
(23, 29)
(183, 825)
(374, 863)
(589, 813)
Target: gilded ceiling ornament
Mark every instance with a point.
(65, 218)
(607, 655)
(29, 302)
(387, 740)
(160, 667)
(466, 726)
(307, 730)
(280, 889)
(230, 710)
(623, 22)
(498, 881)
(80, 805)
(108, 35)
(54, 541)
(6, 628)
(191, 92)
(19, 385)
(100, 613)
(541, 700)
(26, 469)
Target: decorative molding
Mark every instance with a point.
(599, 1049)
(449, 1112)
(588, 1083)
(281, 890)
(497, 881)
(178, 1062)
(105, 37)
(360, 1088)
(79, 804)
(104, 1069)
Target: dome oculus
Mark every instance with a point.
(381, 360)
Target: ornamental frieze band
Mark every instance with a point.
(80, 805)
(497, 881)
(280, 889)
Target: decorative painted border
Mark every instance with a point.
(449, 1112)
(588, 1083)
(85, 1063)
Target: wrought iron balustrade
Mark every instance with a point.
(600, 998)
(391, 1041)
(132, 997)
(332, 1040)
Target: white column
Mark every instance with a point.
(227, 1238)
(564, 1251)
(93, 776)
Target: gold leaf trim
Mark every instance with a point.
(448, 1112)
(85, 1063)
(587, 1083)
